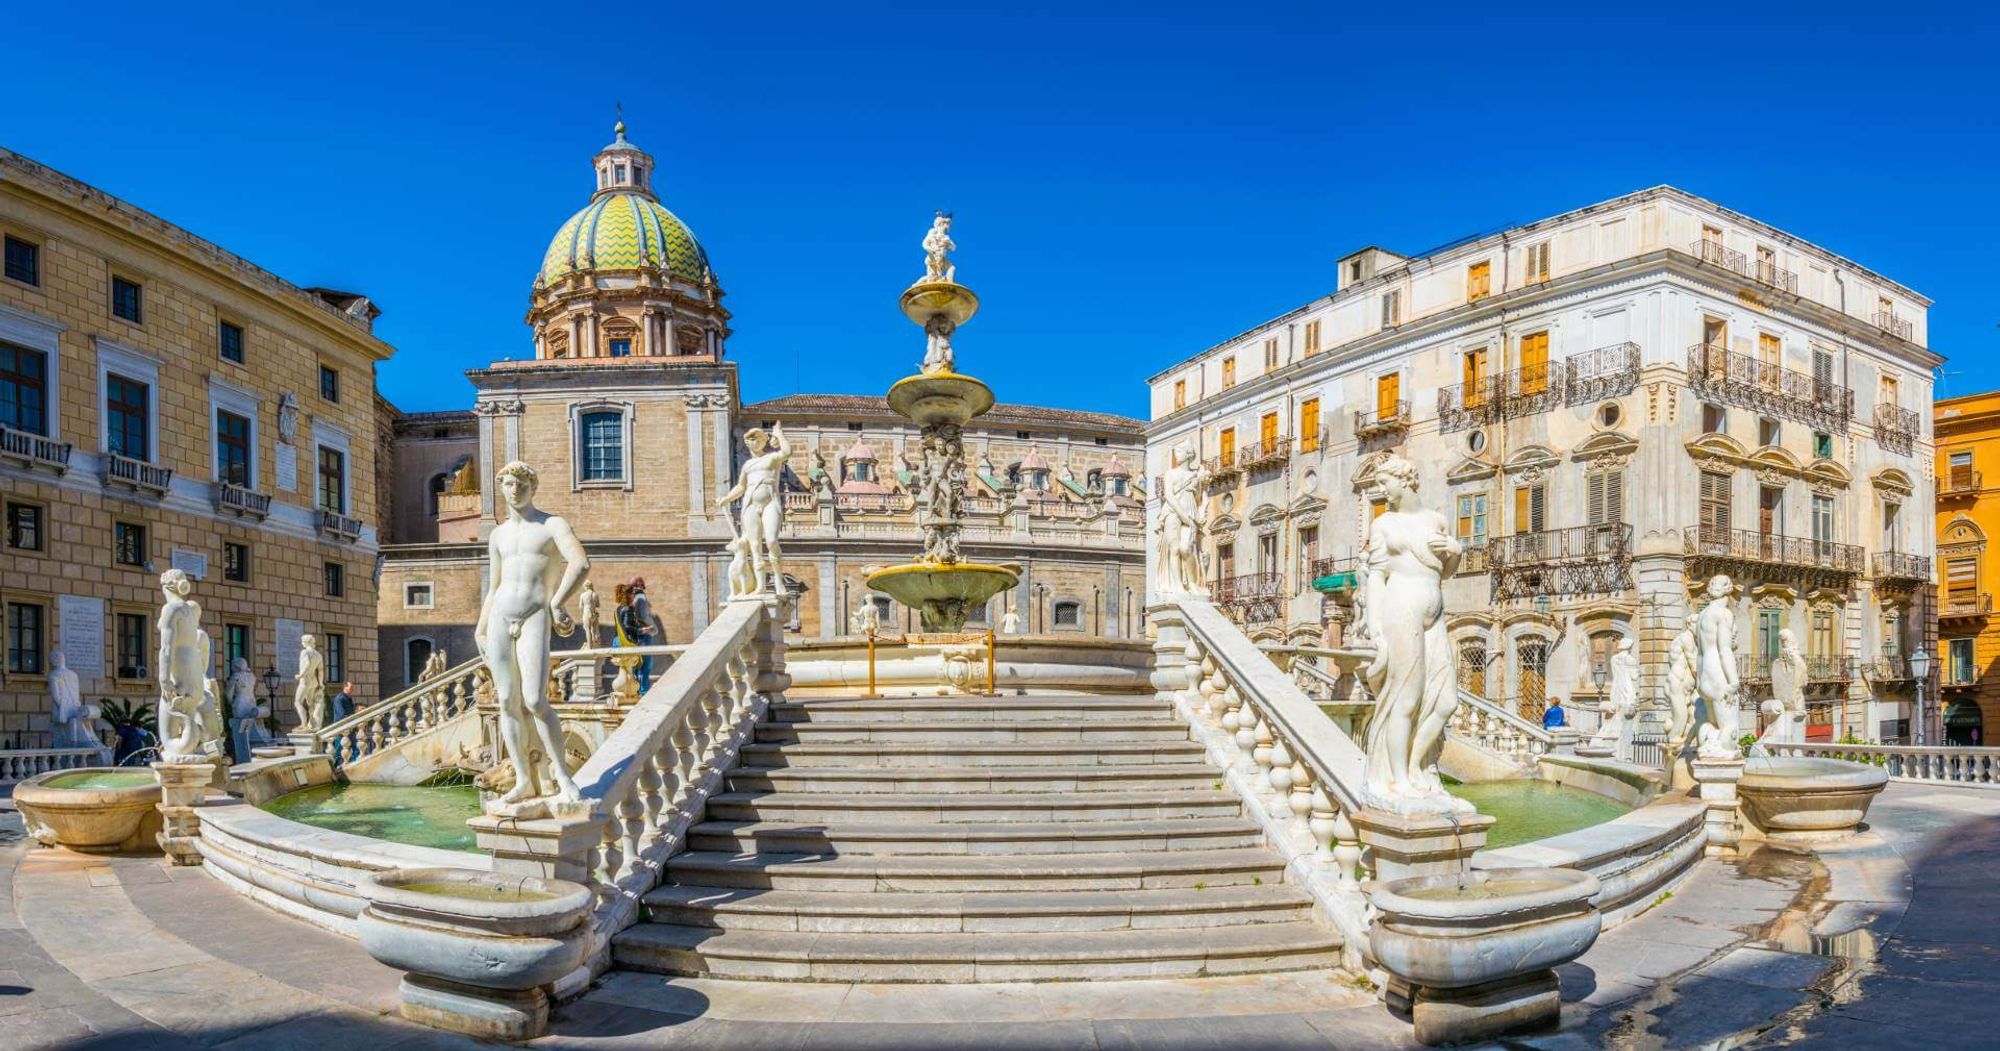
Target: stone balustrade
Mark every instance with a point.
(1492, 728)
(651, 778)
(19, 764)
(1938, 764)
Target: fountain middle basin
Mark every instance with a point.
(1807, 799)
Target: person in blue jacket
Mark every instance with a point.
(1553, 717)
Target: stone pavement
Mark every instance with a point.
(1775, 950)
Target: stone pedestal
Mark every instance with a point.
(183, 787)
(1525, 1004)
(302, 742)
(1403, 846)
(491, 1014)
(1563, 741)
(1715, 784)
(549, 848)
(1169, 650)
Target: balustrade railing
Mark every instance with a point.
(1924, 763)
(871, 501)
(33, 450)
(1959, 481)
(1897, 565)
(1718, 373)
(1605, 540)
(1382, 420)
(1897, 428)
(1497, 731)
(1745, 545)
(1263, 454)
(1607, 372)
(1247, 588)
(801, 501)
(1899, 327)
(335, 524)
(137, 474)
(239, 500)
(1977, 604)
(19, 764)
(1764, 270)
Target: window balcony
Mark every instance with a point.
(1338, 576)
(1899, 327)
(1896, 428)
(35, 451)
(1312, 443)
(1755, 669)
(1264, 454)
(1580, 560)
(336, 525)
(1901, 568)
(1256, 598)
(1759, 555)
(1961, 679)
(1887, 669)
(1712, 253)
(241, 501)
(1221, 468)
(1607, 372)
(1959, 482)
(1965, 606)
(1382, 422)
(137, 475)
(1716, 373)
(1505, 396)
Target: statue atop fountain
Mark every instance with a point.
(938, 247)
(1715, 672)
(763, 514)
(1183, 511)
(1787, 706)
(1620, 706)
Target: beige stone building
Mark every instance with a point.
(631, 413)
(164, 403)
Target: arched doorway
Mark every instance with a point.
(1964, 725)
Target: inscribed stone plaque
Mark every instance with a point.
(81, 621)
(289, 633)
(193, 563)
(287, 465)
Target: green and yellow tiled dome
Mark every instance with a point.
(624, 231)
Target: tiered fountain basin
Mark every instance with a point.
(1528, 810)
(93, 809)
(1805, 800)
(940, 398)
(475, 948)
(1473, 954)
(944, 593)
(306, 853)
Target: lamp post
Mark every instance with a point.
(1920, 670)
(271, 699)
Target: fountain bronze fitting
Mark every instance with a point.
(941, 585)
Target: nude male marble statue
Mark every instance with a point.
(762, 514)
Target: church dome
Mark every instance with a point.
(624, 230)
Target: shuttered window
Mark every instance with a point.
(1475, 377)
(1228, 373)
(1478, 280)
(1714, 501)
(1961, 577)
(1770, 350)
(1528, 508)
(1180, 394)
(1538, 262)
(1309, 425)
(1228, 445)
(1388, 391)
(1535, 363)
(1267, 431)
(1604, 497)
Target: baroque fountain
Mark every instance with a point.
(941, 585)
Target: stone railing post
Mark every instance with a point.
(183, 788)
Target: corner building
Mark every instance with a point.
(167, 404)
(1967, 703)
(1610, 405)
(630, 411)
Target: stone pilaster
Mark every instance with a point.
(183, 787)
(1404, 846)
(1659, 573)
(1715, 780)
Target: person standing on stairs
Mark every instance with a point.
(633, 631)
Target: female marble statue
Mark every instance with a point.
(1010, 621)
(1621, 702)
(1183, 506)
(70, 719)
(309, 696)
(190, 716)
(1410, 552)
(244, 711)
(1787, 705)
(1680, 691)
(1715, 671)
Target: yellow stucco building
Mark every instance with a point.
(1968, 516)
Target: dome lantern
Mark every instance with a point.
(623, 167)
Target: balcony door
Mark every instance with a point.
(1475, 377)
(1714, 510)
(1267, 433)
(1961, 581)
(1769, 623)
(1227, 446)
(1770, 518)
(1823, 530)
(1388, 395)
(1535, 363)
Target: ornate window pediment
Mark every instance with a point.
(1225, 525)
(1471, 469)
(1531, 622)
(1531, 463)
(1826, 476)
(1364, 475)
(1605, 443)
(1960, 531)
(1606, 615)
(1893, 480)
(1476, 622)
(1826, 599)
(1772, 596)
(1773, 458)
(1719, 450)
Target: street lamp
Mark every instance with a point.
(271, 698)
(1920, 670)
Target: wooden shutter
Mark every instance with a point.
(1770, 350)
(1528, 508)
(1535, 363)
(1961, 581)
(1267, 431)
(1228, 445)
(1309, 424)
(1605, 497)
(1388, 391)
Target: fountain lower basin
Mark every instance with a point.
(476, 948)
(415, 815)
(1807, 799)
(1473, 955)
(94, 809)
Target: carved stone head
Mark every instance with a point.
(517, 484)
(176, 584)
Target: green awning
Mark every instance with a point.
(1344, 580)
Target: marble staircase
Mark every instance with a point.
(975, 839)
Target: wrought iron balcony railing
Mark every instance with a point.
(1221, 466)
(1766, 271)
(1959, 481)
(1722, 375)
(1899, 327)
(1607, 372)
(241, 500)
(1382, 421)
(1896, 428)
(137, 474)
(1977, 604)
(1896, 565)
(1887, 669)
(1820, 669)
(1753, 547)
(1263, 454)
(1248, 587)
(1579, 560)
(335, 524)
(1337, 564)
(1556, 545)
(33, 450)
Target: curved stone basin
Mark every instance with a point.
(477, 948)
(94, 809)
(1807, 799)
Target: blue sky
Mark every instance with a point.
(1133, 182)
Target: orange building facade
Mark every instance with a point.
(1968, 518)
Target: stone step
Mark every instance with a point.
(861, 873)
(852, 754)
(1034, 956)
(1037, 730)
(970, 709)
(1162, 777)
(997, 911)
(954, 807)
(971, 837)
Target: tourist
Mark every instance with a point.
(642, 612)
(343, 702)
(631, 632)
(1553, 717)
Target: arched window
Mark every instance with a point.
(864, 471)
(1472, 666)
(603, 440)
(1067, 614)
(416, 654)
(1531, 656)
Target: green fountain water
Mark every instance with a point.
(420, 816)
(138, 778)
(1525, 811)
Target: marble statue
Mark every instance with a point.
(821, 476)
(244, 711)
(1621, 703)
(190, 712)
(309, 696)
(941, 492)
(937, 345)
(1680, 691)
(763, 514)
(742, 577)
(534, 562)
(589, 616)
(1787, 706)
(1715, 672)
(867, 620)
(1183, 511)
(1409, 554)
(937, 248)
(72, 722)
(436, 666)
(1010, 621)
